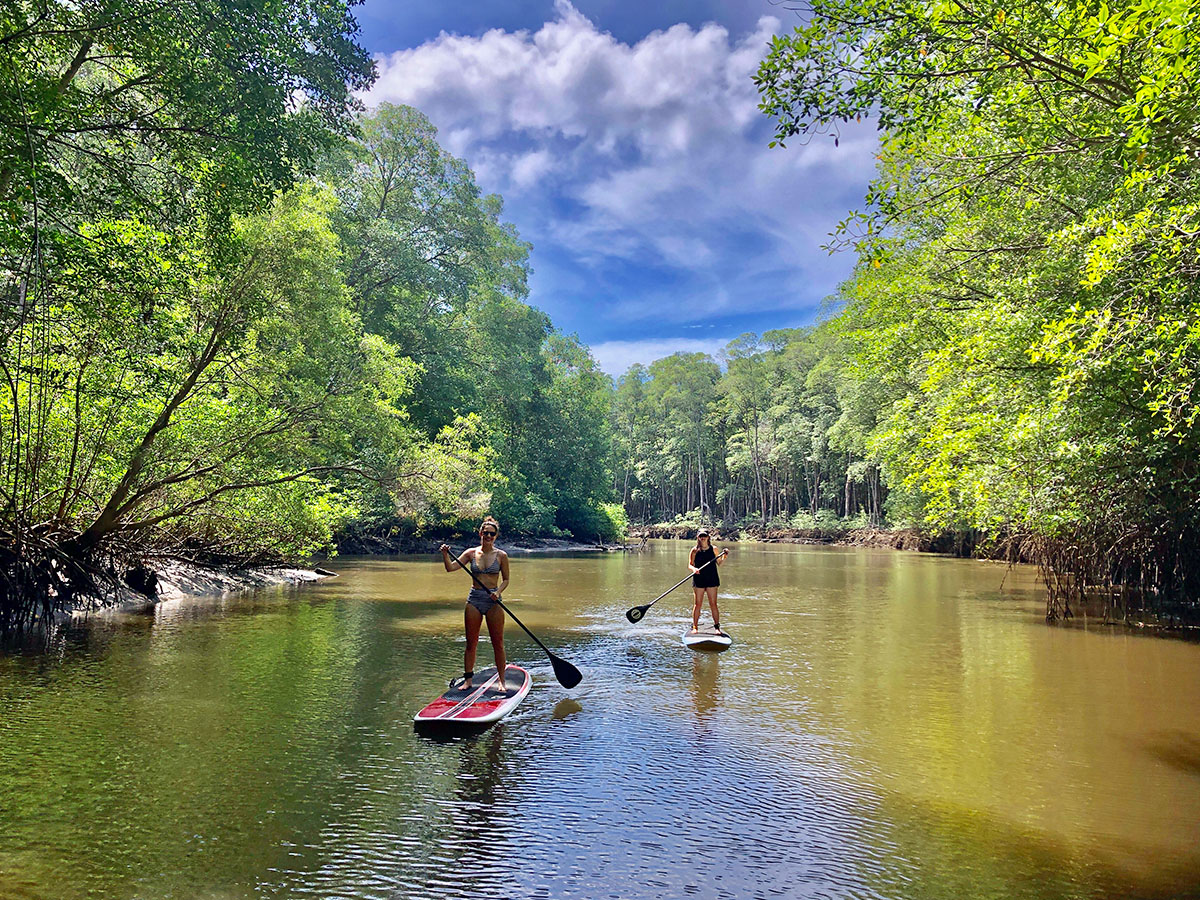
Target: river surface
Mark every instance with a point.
(886, 725)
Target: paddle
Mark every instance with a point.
(568, 676)
(636, 614)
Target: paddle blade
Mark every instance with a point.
(636, 614)
(568, 676)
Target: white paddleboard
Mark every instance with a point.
(477, 707)
(707, 639)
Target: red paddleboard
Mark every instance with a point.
(477, 707)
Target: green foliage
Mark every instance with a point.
(118, 107)
(1021, 330)
(426, 252)
(685, 521)
(614, 524)
(203, 349)
(523, 510)
(436, 273)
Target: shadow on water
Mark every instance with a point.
(566, 708)
(481, 768)
(1177, 749)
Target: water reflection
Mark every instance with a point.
(705, 690)
(480, 770)
(566, 708)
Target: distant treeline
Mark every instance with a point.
(768, 439)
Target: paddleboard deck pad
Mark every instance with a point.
(707, 639)
(477, 707)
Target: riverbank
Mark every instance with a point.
(960, 544)
(402, 545)
(176, 579)
(897, 539)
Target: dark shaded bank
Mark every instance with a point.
(175, 579)
(139, 590)
(406, 544)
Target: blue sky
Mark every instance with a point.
(626, 142)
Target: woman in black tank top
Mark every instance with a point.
(703, 563)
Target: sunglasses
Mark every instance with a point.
(488, 533)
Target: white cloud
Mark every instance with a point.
(672, 93)
(615, 357)
(652, 154)
(529, 168)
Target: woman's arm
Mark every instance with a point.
(452, 564)
(721, 554)
(692, 561)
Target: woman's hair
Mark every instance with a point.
(699, 534)
(488, 520)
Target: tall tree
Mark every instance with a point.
(745, 391)
(120, 103)
(425, 247)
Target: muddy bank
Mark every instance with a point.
(404, 545)
(165, 580)
(963, 544)
(184, 580)
(898, 539)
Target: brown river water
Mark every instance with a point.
(886, 725)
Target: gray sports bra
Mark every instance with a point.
(493, 569)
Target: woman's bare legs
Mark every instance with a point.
(495, 624)
(699, 592)
(472, 619)
(712, 605)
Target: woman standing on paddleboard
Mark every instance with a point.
(489, 565)
(705, 580)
